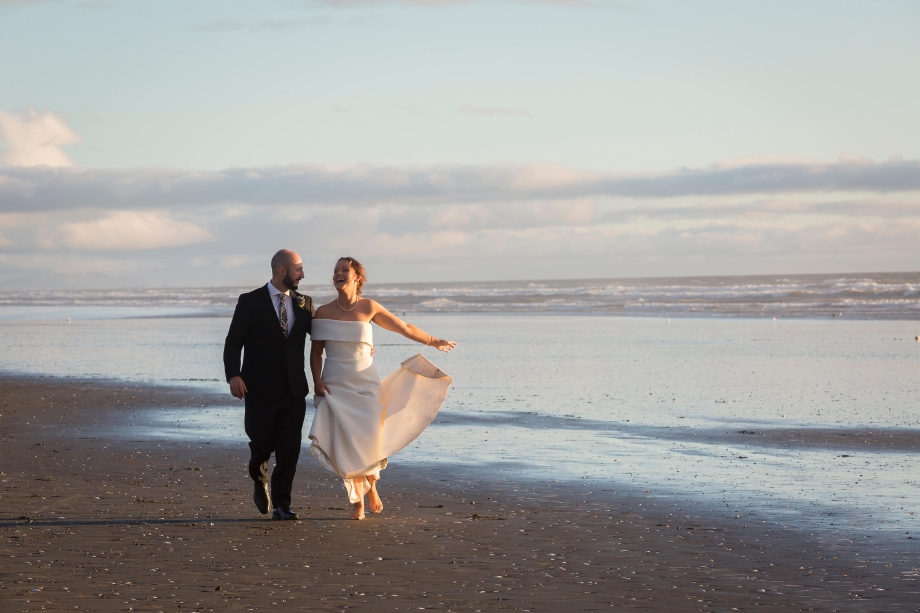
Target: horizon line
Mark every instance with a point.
(495, 281)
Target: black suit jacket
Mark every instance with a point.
(269, 359)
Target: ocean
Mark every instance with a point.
(786, 399)
(856, 296)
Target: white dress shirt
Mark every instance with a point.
(288, 304)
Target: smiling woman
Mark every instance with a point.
(360, 420)
(130, 230)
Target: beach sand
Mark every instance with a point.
(97, 523)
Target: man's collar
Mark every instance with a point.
(274, 291)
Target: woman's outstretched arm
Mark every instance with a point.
(388, 321)
(316, 367)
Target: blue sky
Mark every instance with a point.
(113, 109)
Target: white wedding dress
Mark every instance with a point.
(362, 421)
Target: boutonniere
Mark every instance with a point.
(301, 302)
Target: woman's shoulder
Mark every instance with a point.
(324, 310)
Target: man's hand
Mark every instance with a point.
(238, 388)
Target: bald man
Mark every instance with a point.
(270, 327)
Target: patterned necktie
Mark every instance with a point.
(283, 317)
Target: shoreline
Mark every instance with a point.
(172, 525)
(64, 314)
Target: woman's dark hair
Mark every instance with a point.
(359, 271)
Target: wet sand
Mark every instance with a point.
(105, 524)
(756, 434)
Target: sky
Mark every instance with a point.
(182, 143)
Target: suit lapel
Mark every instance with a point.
(300, 314)
(270, 305)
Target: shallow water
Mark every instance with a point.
(629, 403)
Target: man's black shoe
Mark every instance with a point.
(282, 511)
(260, 495)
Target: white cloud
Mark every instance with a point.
(33, 139)
(34, 189)
(126, 230)
(452, 242)
(461, 222)
(523, 215)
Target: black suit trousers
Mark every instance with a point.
(275, 426)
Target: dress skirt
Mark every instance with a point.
(362, 421)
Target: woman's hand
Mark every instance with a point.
(442, 345)
(320, 388)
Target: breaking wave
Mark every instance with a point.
(863, 296)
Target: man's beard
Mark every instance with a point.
(290, 282)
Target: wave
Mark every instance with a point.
(864, 296)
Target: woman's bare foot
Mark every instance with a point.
(358, 513)
(374, 498)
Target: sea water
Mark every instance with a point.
(631, 403)
(855, 296)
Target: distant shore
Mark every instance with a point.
(90, 523)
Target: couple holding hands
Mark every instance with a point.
(360, 420)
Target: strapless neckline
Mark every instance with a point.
(342, 331)
(342, 321)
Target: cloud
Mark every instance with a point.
(453, 222)
(33, 139)
(463, 241)
(126, 230)
(46, 189)
(492, 111)
(467, 217)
